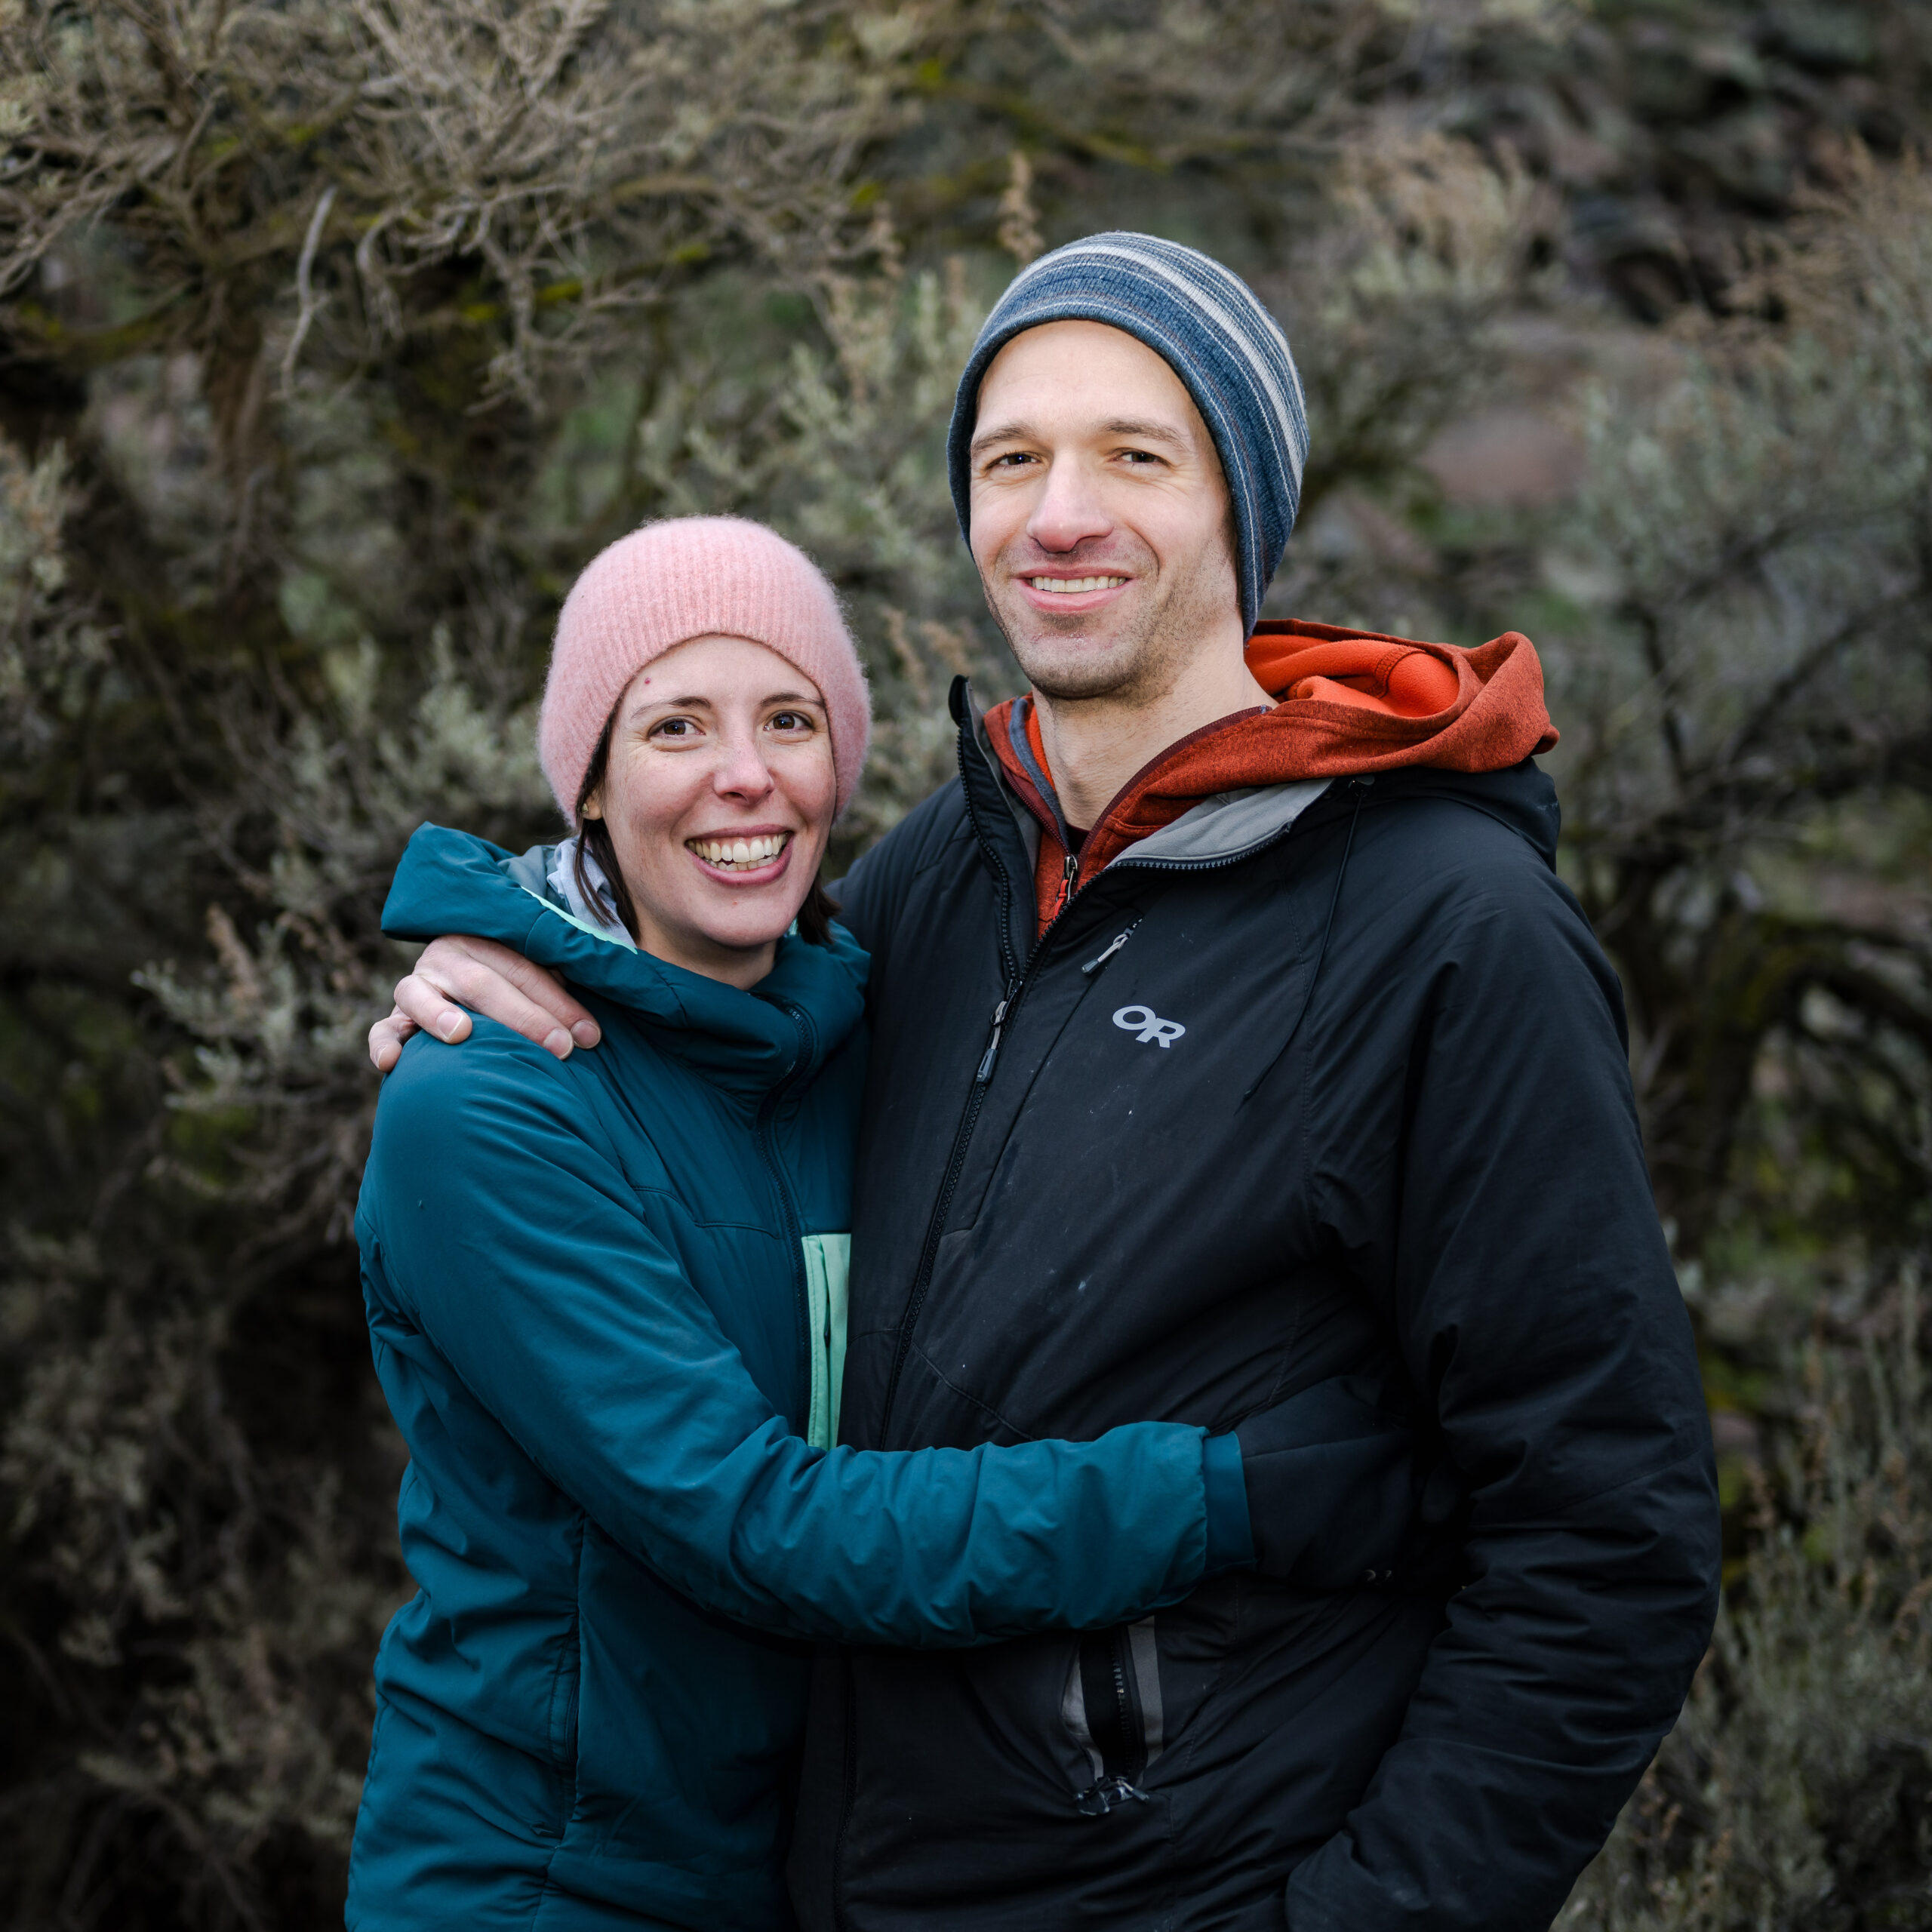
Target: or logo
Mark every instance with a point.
(1144, 1021)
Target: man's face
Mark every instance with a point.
(1100, 517)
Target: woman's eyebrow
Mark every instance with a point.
(700, 703)
(692, 703)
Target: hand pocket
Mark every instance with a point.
(1334, 1488)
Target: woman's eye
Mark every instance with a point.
(791, 720)
(680, 728)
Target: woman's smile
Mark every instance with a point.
(757, 854)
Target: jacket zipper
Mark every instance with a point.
(922, 1279)
(1069, 873)
(985, 1072)
(767, 1146)
(1121, 1743)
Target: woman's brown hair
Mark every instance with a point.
(815, 915)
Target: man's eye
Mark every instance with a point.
(1012, 459)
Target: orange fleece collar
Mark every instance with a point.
(1346, 702)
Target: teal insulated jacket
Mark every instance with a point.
(606, 1296)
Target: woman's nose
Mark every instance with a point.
(741, 771)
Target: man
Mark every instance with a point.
(1232, 1031)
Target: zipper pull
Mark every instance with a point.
(992, 1046)
(1097, 1800)
(1067, 878)
(1113, 945)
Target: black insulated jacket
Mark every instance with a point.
(1323, 1080)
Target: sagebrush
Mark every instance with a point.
(338, 337)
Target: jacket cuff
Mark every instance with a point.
(1230, 1534)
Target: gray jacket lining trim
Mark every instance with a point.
(1227, 825)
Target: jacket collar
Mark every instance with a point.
(450, 881)
(1222, 827)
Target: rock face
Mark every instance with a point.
(1673, 135)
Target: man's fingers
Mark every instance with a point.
(432, 1010)
(494, 980)
(490, 979)
(385, 1039)
(425, 1004)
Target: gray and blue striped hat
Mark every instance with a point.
(1207, 324)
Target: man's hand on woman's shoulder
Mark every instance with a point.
(493, 980)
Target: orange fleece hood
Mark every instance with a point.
(1347, 702)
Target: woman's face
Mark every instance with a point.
(719, 795)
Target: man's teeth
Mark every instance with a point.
(1066, 585)
(741, 855)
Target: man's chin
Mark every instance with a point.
(1109, 669)
(1064, 658)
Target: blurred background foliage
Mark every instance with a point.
(336, 335)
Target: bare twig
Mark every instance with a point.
(308, 302)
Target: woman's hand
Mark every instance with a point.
(497, 983)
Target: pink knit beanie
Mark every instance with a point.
(694, 576)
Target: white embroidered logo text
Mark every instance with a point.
(1144, 1021)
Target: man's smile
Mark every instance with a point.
(1067, 594)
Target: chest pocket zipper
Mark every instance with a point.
(1112, 1706)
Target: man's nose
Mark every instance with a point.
(1069, 512)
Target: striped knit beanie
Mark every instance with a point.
(1207, 324)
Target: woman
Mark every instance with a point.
(604, 1293)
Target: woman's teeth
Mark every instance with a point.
(1066, 586)
(740, 855)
